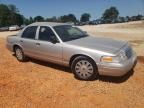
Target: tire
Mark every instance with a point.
(84, 68)
(19, 54)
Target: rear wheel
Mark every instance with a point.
(19, 54)
(84, 68)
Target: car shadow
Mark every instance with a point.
(68, 70)
(51, 65)
(116, 79)
(101, 78)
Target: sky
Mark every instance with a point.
(49, 8)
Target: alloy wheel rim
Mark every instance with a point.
(19, 54)
(84, 69)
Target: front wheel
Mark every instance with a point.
(19, 54)
(84, 68)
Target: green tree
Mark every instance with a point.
(121, 19)
(127, 18)
(9, 15)
(4, 15)
(13, 8)
(85, 17)
(31, 20)
(110, 15)
(14, 17)
(68, 18)
(19, 19)
(139, 17)
(64, 18)
(72, 18)
(52, 19)
(28, 21)
(38, 19)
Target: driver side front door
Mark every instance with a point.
(46, 49)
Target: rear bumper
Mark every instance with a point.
(9, 47)
(114, 69)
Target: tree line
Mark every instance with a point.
(65, 18)
(10, 15)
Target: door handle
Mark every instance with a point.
(37, 43)
(21, 40)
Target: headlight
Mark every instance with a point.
(114, 59)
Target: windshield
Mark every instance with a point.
(68, 33)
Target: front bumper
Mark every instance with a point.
(117, 69)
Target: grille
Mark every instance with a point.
(128, 52)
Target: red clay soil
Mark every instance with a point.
(141, 59)
(36, 84)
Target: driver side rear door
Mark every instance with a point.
(28, 39)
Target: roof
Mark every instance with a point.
(47, 24)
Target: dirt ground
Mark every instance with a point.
(37, 84)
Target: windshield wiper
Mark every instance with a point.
(75, 37)
(78, 37)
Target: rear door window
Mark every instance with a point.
(30, 32)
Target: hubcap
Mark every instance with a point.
(19, 54)
(84, 69)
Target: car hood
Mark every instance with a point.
(101, 44)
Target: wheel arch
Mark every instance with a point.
(16, 45)
(77, 55)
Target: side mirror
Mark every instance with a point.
(54, 40)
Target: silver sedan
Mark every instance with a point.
(87, 56)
